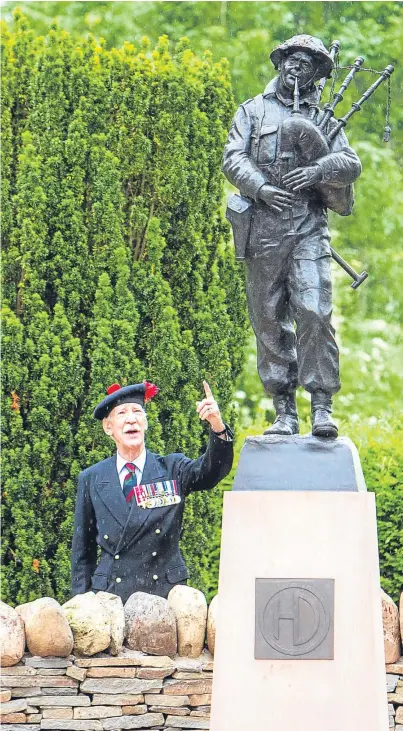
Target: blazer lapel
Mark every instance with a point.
(109, 489)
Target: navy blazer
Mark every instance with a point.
(139, 547)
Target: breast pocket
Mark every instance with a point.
(268, 144)
(177, 573)
(99, 582)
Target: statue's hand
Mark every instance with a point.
(276, 198)
(302, 178)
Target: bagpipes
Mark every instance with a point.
(308, 139)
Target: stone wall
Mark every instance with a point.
(129, 691)
(394, 680)
(94, 682)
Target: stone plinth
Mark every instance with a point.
(299, 463)
(314, 555)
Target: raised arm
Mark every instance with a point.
(208, 470)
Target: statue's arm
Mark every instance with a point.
(342, 165)
(238, 165)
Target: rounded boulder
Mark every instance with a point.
(12, 636)
(150, 624)
(211, 624)
(391, 629)
(190, 608)
(89, 622)
(47, 630)
(114, 606)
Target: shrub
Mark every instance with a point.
(117, 267)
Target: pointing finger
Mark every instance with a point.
(207, 389)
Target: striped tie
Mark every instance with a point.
(129, 482)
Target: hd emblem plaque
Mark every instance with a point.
(294, 619)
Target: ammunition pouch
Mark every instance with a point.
(239, 214)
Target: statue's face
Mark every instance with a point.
(298, 64)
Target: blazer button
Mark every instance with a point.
(154, 553)
(158, 531)
(155, 577)
(117, 556)
(106, 537)
(118, 580)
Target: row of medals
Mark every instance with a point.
(169, 494)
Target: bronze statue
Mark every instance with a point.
(292, 161)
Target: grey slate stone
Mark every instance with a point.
(14, 706)
(299, 463)
(54, 700)
(147, 720)
(59, 691)
(48, 662)
(119, 685)
(26, 692)
(21, 727)
(52, 724)
(117, 699)
(97, 712)
(184, 722)
(18, 670)
(391, 682)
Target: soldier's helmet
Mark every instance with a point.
(309, 44)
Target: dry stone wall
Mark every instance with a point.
(131, 690)
(123, 686)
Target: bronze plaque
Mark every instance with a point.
(294, 619)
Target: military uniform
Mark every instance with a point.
(139, 547)
(287, 259)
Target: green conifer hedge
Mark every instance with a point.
(116, 267)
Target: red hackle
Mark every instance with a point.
(151, 391)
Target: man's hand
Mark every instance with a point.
(276, 198)
(208, 410)
(302, 178)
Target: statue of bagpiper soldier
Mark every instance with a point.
(291, 161)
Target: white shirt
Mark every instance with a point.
(139, 463)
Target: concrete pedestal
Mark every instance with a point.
(299, 643)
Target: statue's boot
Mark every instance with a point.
(322, 422)
(286, 421)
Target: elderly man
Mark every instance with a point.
(282, 219)
(130, 506)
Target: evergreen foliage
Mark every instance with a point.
(117, 267)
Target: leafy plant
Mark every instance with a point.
(117, 267)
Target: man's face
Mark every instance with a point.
(298, 64)
(126, 424)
